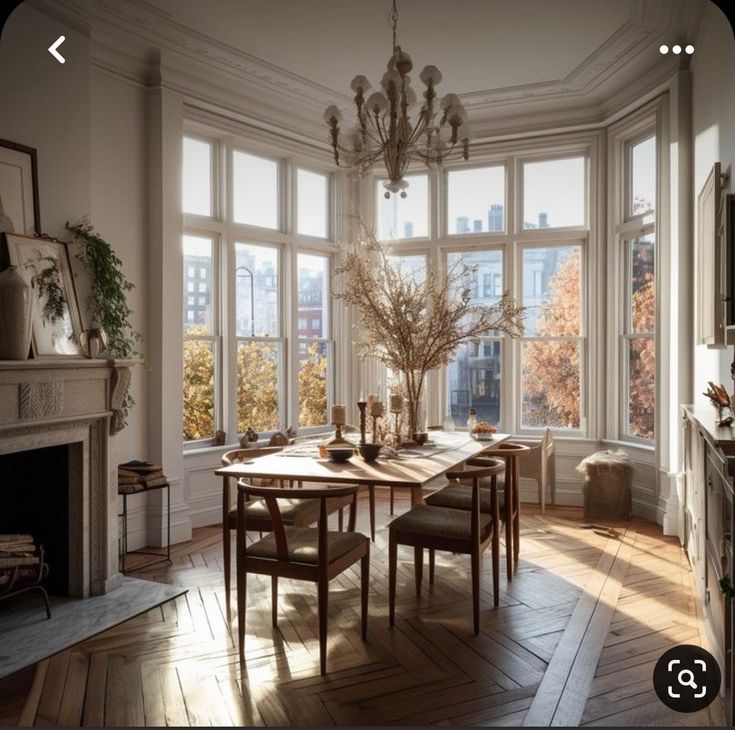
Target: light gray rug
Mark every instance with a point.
(27, 636)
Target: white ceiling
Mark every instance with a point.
(478, 45)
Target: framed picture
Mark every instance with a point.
(56, 324)
(709, 319)
(18, 189)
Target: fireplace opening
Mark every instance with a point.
(35, 493)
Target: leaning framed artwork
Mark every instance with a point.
(56, 323)
(18, 189)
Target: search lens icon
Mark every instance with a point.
(688, 682)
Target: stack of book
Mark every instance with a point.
(138, 476)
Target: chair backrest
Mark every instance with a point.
(475, 473)
(270, 496)
(235, 456)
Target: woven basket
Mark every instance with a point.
(608, 476)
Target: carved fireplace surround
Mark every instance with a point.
(77, 403)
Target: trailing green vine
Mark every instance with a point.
(48, 283)
(108, 297)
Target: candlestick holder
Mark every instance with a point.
(362, 405)
(398, 428)
(375, 429)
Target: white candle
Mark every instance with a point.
(361, 399)
(339, 417)
(371, 399)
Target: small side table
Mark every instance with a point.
(160, 556)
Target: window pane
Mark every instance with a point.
(256, 288)
(255, 194)
(553, 193)
(198, 389)
(550, 384)
(198, 311)
(642, 284)
(313, 295)
(474, 380)
(413, 267)
(483, 273)
(552, 291)
(313, 360)
(643, 176)
(196, 181)
(641, 387)
(404, 217)
(257, 385)
(313, 207)
(476, 200)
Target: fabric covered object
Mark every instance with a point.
(608, 477)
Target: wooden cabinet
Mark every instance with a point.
(709, 474)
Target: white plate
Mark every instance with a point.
(483, 436)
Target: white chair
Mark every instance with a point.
(538, 464)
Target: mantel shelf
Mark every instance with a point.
(66, 363)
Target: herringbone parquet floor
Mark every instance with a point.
(574, 641)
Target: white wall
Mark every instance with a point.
(713, 107)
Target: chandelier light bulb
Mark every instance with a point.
(332, 113)
(663, 49)
(430, 74)
(360, 85)
(676, 49)
(689, 49)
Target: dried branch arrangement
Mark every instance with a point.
(415, 324)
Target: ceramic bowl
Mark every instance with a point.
(420, 438)
(340, 454)
(369, 452)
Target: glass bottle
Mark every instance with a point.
(472, 420)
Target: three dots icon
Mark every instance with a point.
(676, 49)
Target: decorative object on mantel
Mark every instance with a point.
(93, 342)
(383, 131)
(108, 298)
(720, 399)
(16, 305)
(415, 325)
(43, 262)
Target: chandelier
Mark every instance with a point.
(384, 131)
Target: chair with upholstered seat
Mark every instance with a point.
(300, 553)
(454, 530)
(294, 512)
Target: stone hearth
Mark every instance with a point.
(77, 403)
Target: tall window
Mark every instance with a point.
(474, 379)
(201, 340)
(239, 369)
(637, 264)
(551, 349)
(476, 200)
(403, 218)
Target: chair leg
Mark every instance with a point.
(365, 585)
(242, 585)
(476, 589)
(418, 567)
(341, 519)
(516, 515)
(227, 550)
(392, 499)
(431, 566)
(495, 547)
(323, 589)
(392, 566)
(274, 600)
(44, 595)
(508, 522)
(371, 499)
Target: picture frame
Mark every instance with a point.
(44, 264)
(19, 209)
(709, 319)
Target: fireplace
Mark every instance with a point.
(58, 466)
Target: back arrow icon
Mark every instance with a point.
(52, 49)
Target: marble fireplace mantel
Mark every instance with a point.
(77, 402)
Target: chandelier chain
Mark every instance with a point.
(394, 23)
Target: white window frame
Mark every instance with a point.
(221, 224)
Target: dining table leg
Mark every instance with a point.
(416, 496)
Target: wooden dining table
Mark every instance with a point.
(410, 468)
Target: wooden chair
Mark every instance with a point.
(510, 452)
(300, 553)
(294, 512)
(454, 530)
(538, 464)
